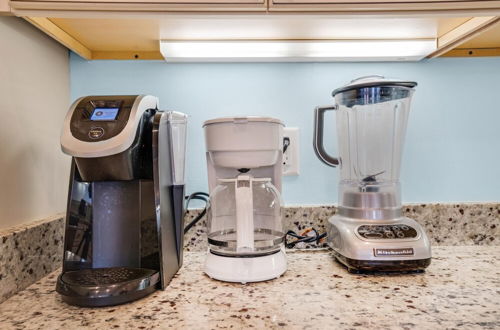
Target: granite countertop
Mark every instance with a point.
(461, 288)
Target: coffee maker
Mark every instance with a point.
(245, 233)
(124, 220)
(369, 232)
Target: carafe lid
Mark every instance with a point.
(243, 120)
(236, 179)
(373, 81)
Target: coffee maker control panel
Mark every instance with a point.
(100, 126)
(100, 118)
(392, 231)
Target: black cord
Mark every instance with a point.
(289, 244)
(303, 238)
(196, 196)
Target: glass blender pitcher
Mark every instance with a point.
(369, 231)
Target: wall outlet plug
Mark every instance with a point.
(291, 160)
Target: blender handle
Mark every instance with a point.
(319, 149)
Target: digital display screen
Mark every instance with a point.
(104, 114)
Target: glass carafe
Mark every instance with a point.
(371, 115)
(244, 217)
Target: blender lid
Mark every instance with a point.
(242, 120)
(373, 81)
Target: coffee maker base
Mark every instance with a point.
(245, 269)
(99, 287)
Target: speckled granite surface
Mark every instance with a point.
(446, 224)
(460, 289)
(28, 253)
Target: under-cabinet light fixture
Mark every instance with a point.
(296, 51)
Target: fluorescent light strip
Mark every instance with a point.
(302, 51)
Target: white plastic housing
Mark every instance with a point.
(245, 270)
(249, 149)
(244, 142)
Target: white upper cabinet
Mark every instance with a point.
(385, 6)
(138, 6)
(133, 29)
(4, 6)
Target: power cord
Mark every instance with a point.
(306, 237)
(196, 196)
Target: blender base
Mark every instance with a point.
(387, 245)
(246, 269)
(371, 266)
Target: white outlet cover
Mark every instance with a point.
(291, 157)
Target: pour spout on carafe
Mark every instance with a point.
(244, 213)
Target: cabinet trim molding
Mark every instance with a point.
(473, 52)
(60, 35)
(463, 33)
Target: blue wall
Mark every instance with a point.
(452, 150)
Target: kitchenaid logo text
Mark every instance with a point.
(393, 252)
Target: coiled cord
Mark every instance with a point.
(304, 238)
(196, 196)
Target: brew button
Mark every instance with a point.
(96, 132)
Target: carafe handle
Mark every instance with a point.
(319, 148)
(244, 213)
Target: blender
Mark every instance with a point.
(245, 233)
(369, 232)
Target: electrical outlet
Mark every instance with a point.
(291, 149)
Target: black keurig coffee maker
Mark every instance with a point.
(124, 222)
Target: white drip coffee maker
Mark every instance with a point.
(245, 234)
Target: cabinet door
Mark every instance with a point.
(139, 5)
(4, 6)
(384, 6)
(176, 2)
